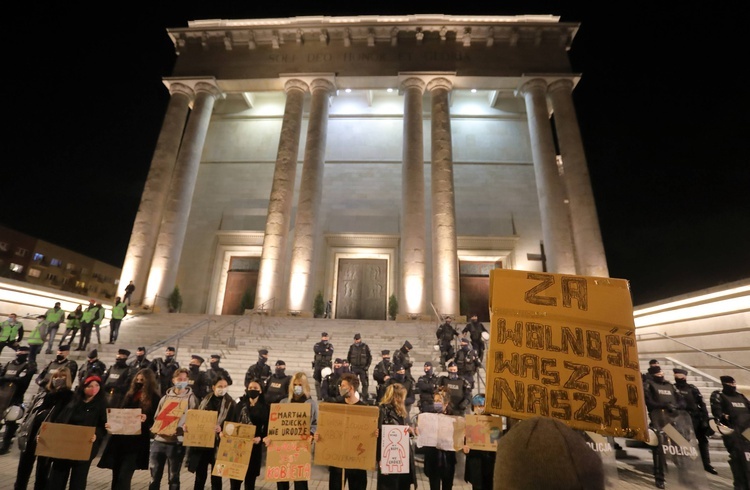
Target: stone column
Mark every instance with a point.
(444, 242)
(308, 205)
(163, 275)
(558, 244)
(412, 200)
(282, 197)
(147, 220)
(587, 237)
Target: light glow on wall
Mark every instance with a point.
(732, 300)
(297, 289)
(414, 290)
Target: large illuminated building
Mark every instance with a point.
(363, 158)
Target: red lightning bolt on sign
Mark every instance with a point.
(360, 449)
(165, 416)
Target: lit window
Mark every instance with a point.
(117, 281)
(38, 257)
(34, 272)
(16, 268)
(21, 252)
(80, 284)
(69, 266)
(56, 262)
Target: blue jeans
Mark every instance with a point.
(170, 454)
(51, 334)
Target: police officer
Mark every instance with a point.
(116, 379)
(277, 387)
(54, 317)
(427, 386)
(260, 371)
(400, 377)
(732, 409)
(402, 358)
(445, 335)
(58, 363)
(329, 386)
(214, 371)
(457, 391)
(323, 351)
(475, 329)
(119, 310)
(382, 373)
(93, 367)
(165, 368)
(360, 358)
(14, 380)
(11, 333)
(662, 403)
(696, 407)
(467, 361)
(140, 361)
(197, 379)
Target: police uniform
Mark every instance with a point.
(467, 361)
(382, 373)
(197, 379)
(360, 358)
(93, 367)
(165, 369)
(732, 409)
(457, 393)
(277, 386)
(215, 371)
(260, 371)
(116, 379)
(15, 379)
(402, 358)
(696, 407)
(60, 362)
(427, 386)
(445, 335)
(323, 355)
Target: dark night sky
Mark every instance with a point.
(662, 112)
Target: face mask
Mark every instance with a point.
(386, 359)
(428, 372)
(194, 368)
(60, 358)
(140, 357)
(729, 390)
(169, 357)
(680, 382)
(298, 390)
(58, 383)
(214, 365)
(262, 360)
(344, 392)
(220, 391)
(253, 393)
(453, 375)
(280, 373)
(181, 385)
(338, 370)
(465, 347)
(121, 362)
(138, 386)
(438, 407)
(398, 377)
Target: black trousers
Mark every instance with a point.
(357, 479)
(364, 381)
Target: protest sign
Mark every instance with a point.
(442, 431)
(394, 449)
(346, 436)
(564, 346)
(288, 456)
(65, 441)
(235, 448)
(200, 428)
(165, 422)
(483, 432)
(124, 421)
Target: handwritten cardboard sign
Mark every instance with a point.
(235, 449)
(65, 441)
(346, 436)
(564, 346)
(483, 432)
(124, 421)
(288, 456)
(200, 428)
(165, 422)
(442, 431)
(394, 449)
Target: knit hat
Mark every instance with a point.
(654, 370)
(680, 371)
(92, 378)
(544, 442)
(726, 379)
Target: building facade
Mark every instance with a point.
(359, 158)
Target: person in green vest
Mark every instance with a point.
(119, 310)
(87, 323)
(37, 336)
(11, 333)
(54, 317)
(72, 325)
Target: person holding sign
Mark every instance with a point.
(393, 412)
(124, 454)
(252, 409)
(168, 425)
(480, 464)
(200, 458)
(88, 408)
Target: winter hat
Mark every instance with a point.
(544, 442)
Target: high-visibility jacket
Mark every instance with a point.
(99, 315)
(89, 314)
(55, 316)
(119, 311)
(9, 331)
(35, 337)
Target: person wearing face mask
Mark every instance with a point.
(47, 403)
(253, 408)
(140, 361)
(698, 411)
(198, 380)
(214, 370)
(200, 458)
(323, 351)
(164, 368)
(260, 371)
(360, 358)
(299, 392)
(400, 377)
(457, 391)
(277, 386)
(427, 386)
(92, 367)
(476, 329)
(167, 449)
(72, 325)
(403, 358)
(329, 386)
(61, 361)
(53, 318)
(480, 465)
(11, 333)
(117, 379)
(87, 408)
(393, 411)
(467, 361)
(732, 410)
(15, 378)
(124, 454)
(439, 464)
(382, 373)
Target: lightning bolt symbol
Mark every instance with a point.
(360, 449)
(165, 416)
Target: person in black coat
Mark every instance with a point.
(124, 454)
(253, 409)
(480, 465)
(392, 411)
(88, 408)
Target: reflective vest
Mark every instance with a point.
(89, 314)
(9, 331)
(55, 316)
(99, 315)
(35, 337)
(118, 312)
